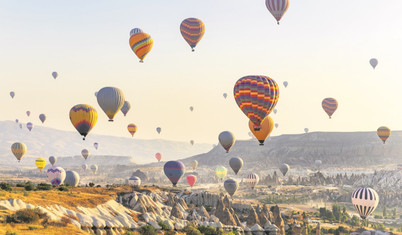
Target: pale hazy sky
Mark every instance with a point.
(322, 48)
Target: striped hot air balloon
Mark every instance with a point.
(83, 117)
(141, 44)
(256, 96)
(277, 8)
(19, 150)
(252, 180)
(192, 30)
(383, 132)
(132, 128)
(40, 163)
(56, 175)
(221, 172)
(329, 105)
(365, 200)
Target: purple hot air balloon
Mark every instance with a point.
(56, 175)
(42, 117)
(174, 170)
(28, 113)
(29, 126)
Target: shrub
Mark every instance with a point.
(23, 216)
(91, 184)
(20, 185)
(129, 233)
(163, 225)
(98, 186)
(26, 194)
(32, 227)
(6, 186)
(63, 188)
(148, 230)
(190, 230)
(29, 186)
(44, 186)
(11, 233)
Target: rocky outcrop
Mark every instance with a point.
(252, 218)
(176, 212)
(201, 199)
(278, 221)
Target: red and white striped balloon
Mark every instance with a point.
(252, 180)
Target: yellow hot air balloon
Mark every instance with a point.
(40, 163)
(18, 149)
(83, 117)
(221, 172)
(267, 125)
(132, 128)
(383, 132)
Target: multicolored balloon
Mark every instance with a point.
(83, 117)
(174, 170)
(191, 179)
(365, 200)
(221, 172)
(192, 30)
(252, 179)
(56, 175)
(284, 168)
(134, 181)
(277, 8)
(111, 100)
(19, 150)
(329, 105)
(30, 126)
(135, 31)
(52, 160)
(267, 125)
(373, 62)
(126, 107)
(158, 156)
(256, 96)
(132, 128)
(12, 94)
(54, 75)
(40, 163)
(141, 44)
(42, 117)
(236, 164)
(383, 132)
(85, 153)
(231, 186)
(227, 140)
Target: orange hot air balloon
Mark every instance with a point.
(267, 125)
(132, 128)
(141, 44)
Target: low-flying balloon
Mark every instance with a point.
(227, 140)
(54, 75)
(192, 30)
(19, 150)
(191, 179)
(84, 167)
(236, 164)
(42, 117)
(174, 170)
(158, 156)
(132, 128)
(373, 62)
(85, 153)
(383, 132)
(17, 121)
(30, 126)
(284, 168)
(231, 186)
(267, 125)
(221, 172)
(96, 145)
(40, 163)
(158, 129)
(329, 105)
(194, 164)
(134, 181)
(126, 107)
(94, 168)
(72, 178)
(141, 44)
(12, 94)
(110, 99)
(252, 180)
(28, 113)
(56, 175)
(83, 117)
(192, 142)
(52, 160)
(277, 8)
(306, 130)
(365, 200)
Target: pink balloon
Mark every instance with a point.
(191, 179)
(158, 156)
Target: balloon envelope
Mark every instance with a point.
(192, 142)
(84, 166)
(236, 164)
(329, 105)
(285, 84)
(134, 180)
(19, 150)
(94, 168)
(72, 178)
(226, 139)
(42, 117)
(225, 95)
(191, 179)
(85, 153)
(284, 168)
(365, 200)
(111, 100)
(194, 164)
(54, 75)
(83, 117)
(96, 145)
(158, 129)
(30, 126)
(252, 179)
(132, 128)
(28, 113)
(221, 172)
(306, 130)
(12, 94)
(383, 132)
(267, 125)
(56, 175)
(174, 170)
(126, 107)
(158, 156)
(40, 163)
(277, 8)
(192, 30)
(135, 31)
(373, 62)
(141, 44)
(231, 186)
(52, 160)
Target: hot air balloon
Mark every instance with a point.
(141, 44)
(227, 140)
(96, 145)
(84, 166)
(134, 181)
(231, 186)
(72, 178)
(191, 179)
(126, 107)
(276, 125)
(191, 108)
(158, 156)
(83, 117)
(135, 31)
(54, 74)
(158, 129)
(19, 150)
(275, 111)
(236, 164)
(318, 164)
(96, 94)
(329, 105)
(28, 113)
(42, 117)
(110, 99)
(373, 62)
(192, 142)
(284, 168)
(383, 132)
(192, 30)
(30, 126)
(365, 200)
(225, 95)
(20, 126)
(56, 175)
(85, 153)
(194, 164)
(252, 180)
(40, 163)
(277, 8)
(221, 172)
(17, 121)
(12, 94)
(306, 130)
(94, 168)
(285, 84)
(174, 170)
(256, 96)
(52, 160)
(132, 128)
(267, 125)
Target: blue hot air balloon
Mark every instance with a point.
(174, 170)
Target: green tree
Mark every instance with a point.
(336, 211)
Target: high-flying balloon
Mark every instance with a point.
(194, 164)
(126, 107)
(256, 96)
(192, 142)
(191, 108)
(110, 99)
(96, 145)
(40, 163)
(30, 126)
(83, 117)
(52, 160)
(19, 150)
(85, 153)
(132, 128)
(141, 44)
(28, 113)
(84, 167)
(284, 168)
(158, 156)
(135, 31)
(252, 179)
(94, 168)
(231, 186)
(72, 178)
(12, 94)
(236, 164)
(42, 117)
(365, 200)
(56, 175)
(383, 132)
(134, 181)
(306, 130)
(158, 129)
(227, 140)
(174, 170)
(285, 84)
(54, 75)
(373, 62)
(192, 30)
(191, 179)
(329, 105)
(275, 111)
(225, 95)
(221, 172)
(277, 8)
(267, 125)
